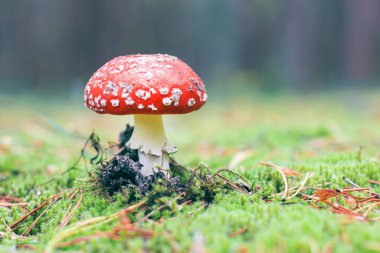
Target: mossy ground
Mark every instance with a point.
(330, 135)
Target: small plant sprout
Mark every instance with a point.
(147, 86)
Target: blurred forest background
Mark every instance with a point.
(269, 45)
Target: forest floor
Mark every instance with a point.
(325, 147)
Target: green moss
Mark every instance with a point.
(306, 134)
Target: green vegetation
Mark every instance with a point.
(331, 136)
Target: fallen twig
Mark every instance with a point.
(342, 210)
(373, 182)
(67, 217)
(160, 208)
(35, 210)
(234, 186)
(82, 226)
(11, 199)
(12, 204)
(39, 217)
(348, 181)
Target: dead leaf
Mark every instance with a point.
(325, 194)
(350, 201)
(289, 172)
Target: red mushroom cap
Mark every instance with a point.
(145, 84)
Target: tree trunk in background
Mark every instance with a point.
(54, 45)
(6, 60)
(299, 41)
(362, 27)
(211, 30)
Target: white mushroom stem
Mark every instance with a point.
(150, 139)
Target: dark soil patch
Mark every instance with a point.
(122, 174)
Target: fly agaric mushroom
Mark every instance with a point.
(147, 86)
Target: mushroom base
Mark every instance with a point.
(150, 140)
(150, 162)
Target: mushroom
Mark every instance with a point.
(146, 86)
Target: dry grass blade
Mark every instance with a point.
(25, 247)
(356, 189)
(35, 210)
(342, 210)
(160, 208)
(367, 200)
(234, 186)
(5, 204)
(113, 234)
(8, 201)
(39, 217)
(308, 175)
(13, 234)
(288, 172)
(78, 240)
(71, 197)
(373, 182)
(67, 217)
(11, 199)
(86, 225)
(362, 205)
(370, 208)
(280, 170)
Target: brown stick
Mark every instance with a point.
(9, 198)
(68, 217)
(12, 204)
(373, 182)
(34, 210)
(39, 217)
(234, 186)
